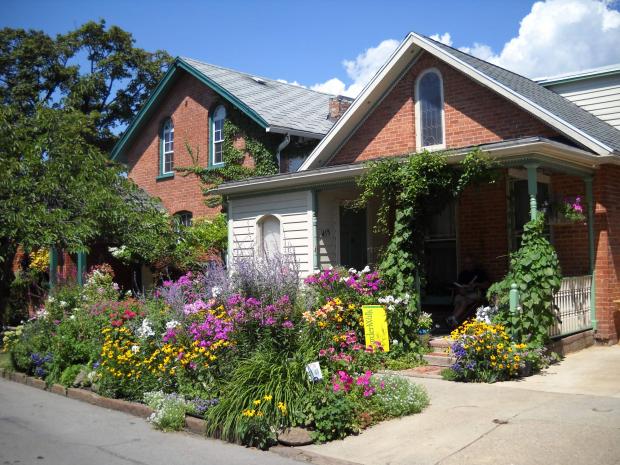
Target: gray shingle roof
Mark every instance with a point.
(279, 104)
(544, 98)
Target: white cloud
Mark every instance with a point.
(444, 38)
(559, 36)
(294, 83)
(360, 70)
(556, 36)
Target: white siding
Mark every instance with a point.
(293, 209)
(328, 225)
(600, 96)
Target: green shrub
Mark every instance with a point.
(332, 415)
(68, 376)
(34, 339)
(169, 409)
(397, 397)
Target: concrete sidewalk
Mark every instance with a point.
(569, 416)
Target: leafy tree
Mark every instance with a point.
(60, 190)
(94, 70)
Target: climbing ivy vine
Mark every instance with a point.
(411, 191)
(535, 269)
(236, 128)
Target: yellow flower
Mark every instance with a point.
(268, 398)
(256, 402)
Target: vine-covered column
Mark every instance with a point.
(532, 188)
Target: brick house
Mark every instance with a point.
(187, 109)
(431, 96)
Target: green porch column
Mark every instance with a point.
(81, 267)
(532, 188)
(315, 230)
(53, 267)
(591, 251)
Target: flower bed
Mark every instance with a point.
(231, 349)
(484, 352)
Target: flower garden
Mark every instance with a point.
(232, 349)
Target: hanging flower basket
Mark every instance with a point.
(570, 210)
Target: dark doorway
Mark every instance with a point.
(353, 250)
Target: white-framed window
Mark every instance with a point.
(269, 235)
(429, 110)
(167, 147)
(219, 116)
(184, 218)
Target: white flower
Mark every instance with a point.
(72, 317)
(394, 342)
(128, 293)
(62, 304)
(172, 324)
(135, 349)
(352, 271)
(215, 291)
(51, 300)
(115, 286)
(145, 330)
(366, 269)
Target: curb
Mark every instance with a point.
(300, 455)
(193, 425)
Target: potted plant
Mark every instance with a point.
(425, 324)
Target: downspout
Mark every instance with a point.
(282, 146)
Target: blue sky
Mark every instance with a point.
(307, 42)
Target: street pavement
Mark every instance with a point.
(568, 416)
(41, 428)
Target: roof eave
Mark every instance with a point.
(576, 161)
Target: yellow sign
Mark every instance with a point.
(375, 326)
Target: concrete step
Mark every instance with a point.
(439, 342)
(439, 359)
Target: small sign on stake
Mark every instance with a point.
(314, 371)
(375, 326)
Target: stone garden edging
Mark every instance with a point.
(193, 425)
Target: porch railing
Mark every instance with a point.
(572, 305)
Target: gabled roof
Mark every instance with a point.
(280, 104)
(556, 111)
(275, 106)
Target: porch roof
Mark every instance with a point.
(546, 152)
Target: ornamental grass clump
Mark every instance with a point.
(484, 352)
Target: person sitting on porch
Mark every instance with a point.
(470, 289)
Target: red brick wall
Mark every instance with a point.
(607, 247)
(570, 240)
(483, 227)
(187, 103)
(474, 115)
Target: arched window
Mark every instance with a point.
(184, 218)
(269, 235)
(217, 150)
(167, 147)
(429, 110)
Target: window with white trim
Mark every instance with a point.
(184, 218)
(167, 147)
(219, 116)
(430, 110)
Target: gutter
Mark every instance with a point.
(282, 146)
(561, 155)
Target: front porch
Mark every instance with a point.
(484, 224)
